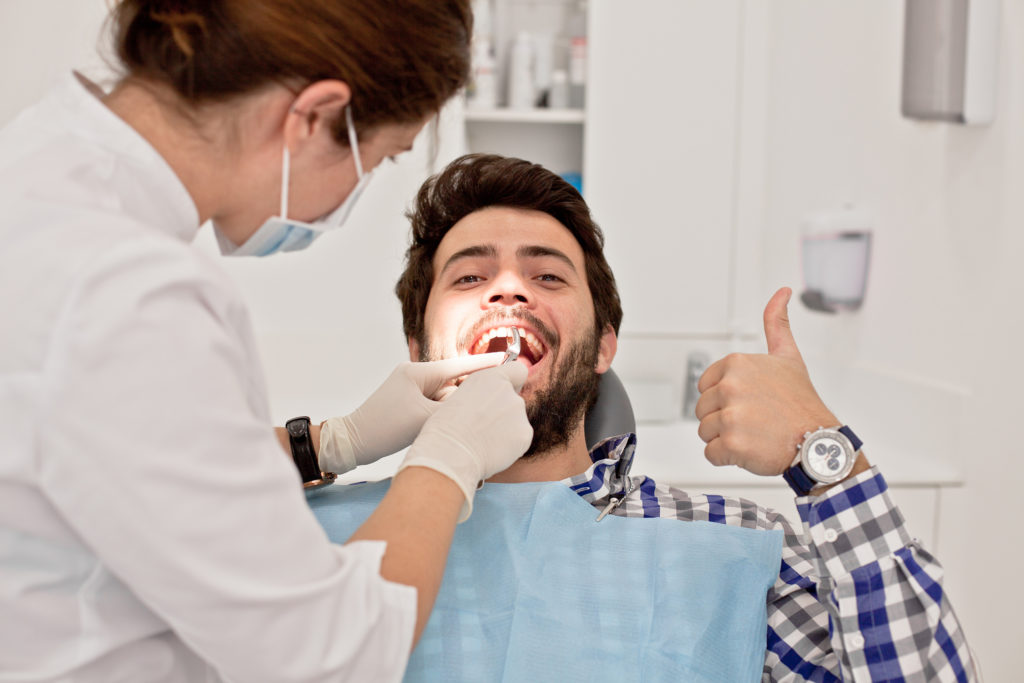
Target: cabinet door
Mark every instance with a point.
(660, 156)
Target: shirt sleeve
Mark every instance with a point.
(858, 598)
(154, 450)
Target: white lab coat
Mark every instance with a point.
(151, 528)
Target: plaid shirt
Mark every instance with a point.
(857, 599)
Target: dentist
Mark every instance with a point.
(151, 528)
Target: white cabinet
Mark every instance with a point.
(660, 156)
(674, 455)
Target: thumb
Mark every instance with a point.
(776, 325)
(516, 374)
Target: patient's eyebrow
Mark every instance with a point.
(537, 251)
(486, 250)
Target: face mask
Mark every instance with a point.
(280, 233)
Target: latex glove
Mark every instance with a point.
(755, 408)
(480, 430)
(393, 415)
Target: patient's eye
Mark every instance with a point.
(469, 280)
(550, 278)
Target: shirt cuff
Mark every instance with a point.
(853, 524)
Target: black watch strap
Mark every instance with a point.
(799, 480)
(303, 452)
(854, 441)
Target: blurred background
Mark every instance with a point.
(868, 154)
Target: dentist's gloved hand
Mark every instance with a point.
(394, 414)
(480, 430)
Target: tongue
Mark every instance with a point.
(498, 344)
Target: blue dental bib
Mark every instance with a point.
(536, 590)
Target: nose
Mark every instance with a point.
(507, 290)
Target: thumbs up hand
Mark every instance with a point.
(755, 408)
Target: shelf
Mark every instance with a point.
(525, 115)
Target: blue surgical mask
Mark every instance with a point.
(280, 233)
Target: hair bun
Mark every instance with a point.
(184, 24)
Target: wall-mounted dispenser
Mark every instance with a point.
(949, 60)
(836, 253)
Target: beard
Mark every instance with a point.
(556, 411)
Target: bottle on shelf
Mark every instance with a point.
(577, 29)
(521, 93)
(543, 67)
(558, 96)
(482, 92)
(483, 89)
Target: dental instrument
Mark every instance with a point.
(616, 501)
(512, 352)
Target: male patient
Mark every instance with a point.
(500, 242)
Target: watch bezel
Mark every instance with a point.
(326, 479)
(845, 445)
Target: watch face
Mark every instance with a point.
(296, 427)
(825, 457)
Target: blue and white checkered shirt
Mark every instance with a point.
(857, 599)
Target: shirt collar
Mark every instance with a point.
(150, 189)
(608, 476)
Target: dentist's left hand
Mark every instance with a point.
(393, 415)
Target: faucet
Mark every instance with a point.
(696, 363)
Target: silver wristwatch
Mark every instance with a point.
(826, 456)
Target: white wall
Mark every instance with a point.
(943, 310)
(41, 40)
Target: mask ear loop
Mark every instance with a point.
(286, 169)
(353, 142)
(286, 160)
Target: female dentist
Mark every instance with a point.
(151, 528)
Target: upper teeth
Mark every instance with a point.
(487, 336)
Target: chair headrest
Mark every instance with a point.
(612, 414)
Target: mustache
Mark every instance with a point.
(511, 316)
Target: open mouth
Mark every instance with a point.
(532, 349)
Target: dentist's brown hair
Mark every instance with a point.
(402, 59)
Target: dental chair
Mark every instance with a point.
(612, 414)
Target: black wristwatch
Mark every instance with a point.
(304, 454)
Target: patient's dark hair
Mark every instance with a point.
(479, 181)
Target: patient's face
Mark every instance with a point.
(501, 267)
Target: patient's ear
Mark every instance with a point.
(414, 350)
(606, 351)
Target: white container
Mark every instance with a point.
(578, 55)
(836, 254)
(558, 97)
(521, 92)
(482, 18)
(543, 65)
(483, 90)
